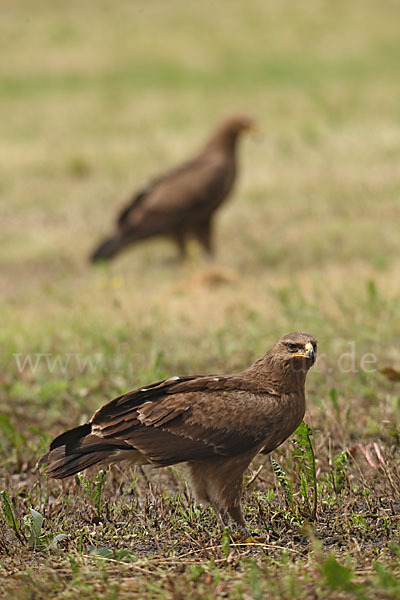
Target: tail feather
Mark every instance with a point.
(110, 247)
(78, 449)
(66, 466)
(71, 437)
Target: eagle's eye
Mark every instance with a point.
(292, 347)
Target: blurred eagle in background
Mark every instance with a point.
(216, 424)
(181, 203)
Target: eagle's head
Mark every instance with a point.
(240, 123)
(228, 132)
(298, 351)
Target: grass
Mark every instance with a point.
(96, 99)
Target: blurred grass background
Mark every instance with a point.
(96, 99)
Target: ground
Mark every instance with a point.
(95, 99)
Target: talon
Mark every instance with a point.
(248, 538)
(255, 539)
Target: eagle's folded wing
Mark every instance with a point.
(182, 193)
(184, 419)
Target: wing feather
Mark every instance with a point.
(189, 418)
(183, 193)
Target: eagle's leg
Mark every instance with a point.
(203, 233)
(236, 515)
(180, 241)
(219, 482)
(222, 517)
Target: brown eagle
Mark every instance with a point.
(216, 424)
(181, 203)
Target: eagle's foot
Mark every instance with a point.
(247, 537)
(255, 539)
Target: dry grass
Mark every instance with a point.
(93, 101)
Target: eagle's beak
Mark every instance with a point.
(253, 129)
(309, 352)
